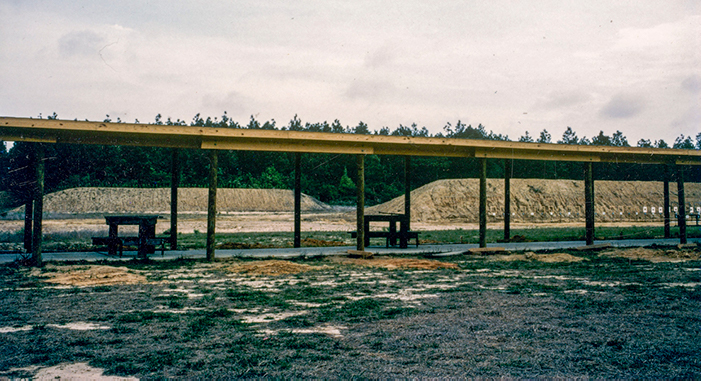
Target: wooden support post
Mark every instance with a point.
(682, 205)
(407, 191)
(212, 203)
(508, 168)
(28, 218)
(589, 202)
(665, 192)
(483, 202)
(405, 226)
(38, 204)
(174, 184)
(360, 210)
(298, 200)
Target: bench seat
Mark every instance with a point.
(388, 236)
(121, 242)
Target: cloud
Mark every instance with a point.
(233, 102)
(692, 84)
(563, 99)
(380, 57)
(369, 89)
(622, 106)
(81, 43)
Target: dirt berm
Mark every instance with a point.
(82, 201)
(539, 200)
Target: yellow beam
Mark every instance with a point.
(135, 134)
(291, 146)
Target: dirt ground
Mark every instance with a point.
(441, 205)
(536, 200)
(614, 314)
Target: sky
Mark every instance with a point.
(512, 66)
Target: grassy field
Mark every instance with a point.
(81, 241)
(282, 239)
(601, 317)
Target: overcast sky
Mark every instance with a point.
(513, 66)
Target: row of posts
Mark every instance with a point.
(34, 206)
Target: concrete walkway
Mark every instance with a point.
(286, 253)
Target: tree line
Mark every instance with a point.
(330, 178)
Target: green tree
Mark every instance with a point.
(526, 138)
(684, 142)
(569, 137)
(601, 140)
(346, 187)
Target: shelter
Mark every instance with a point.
(213, 139)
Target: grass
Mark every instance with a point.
(609, 317)
(282, 239)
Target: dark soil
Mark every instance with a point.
(599, 318)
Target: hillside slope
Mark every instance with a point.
(535, 199)
(157, 200)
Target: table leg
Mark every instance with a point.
(113, 240)
(367, 229)
(393, 233)
(143, 240)
(403, 235)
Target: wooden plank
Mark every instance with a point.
(600, 246)
(360, 254)
(486, 250)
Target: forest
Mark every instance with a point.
(327, 177)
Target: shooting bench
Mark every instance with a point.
(146, 241)
(392, 235)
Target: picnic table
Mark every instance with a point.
(146, 240)
(403, 235)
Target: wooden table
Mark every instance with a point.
(403, 234)
(147, 231)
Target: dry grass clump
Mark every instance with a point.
(653, 255)
(271, 268)
(530, 256)
(90, 275)
(401, 263)
(312, 242)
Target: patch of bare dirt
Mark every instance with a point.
(530, 256)
(400, 263)
(76, 371)
(537, 200)
(271, 267)
(88, 275)
(653, 255)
